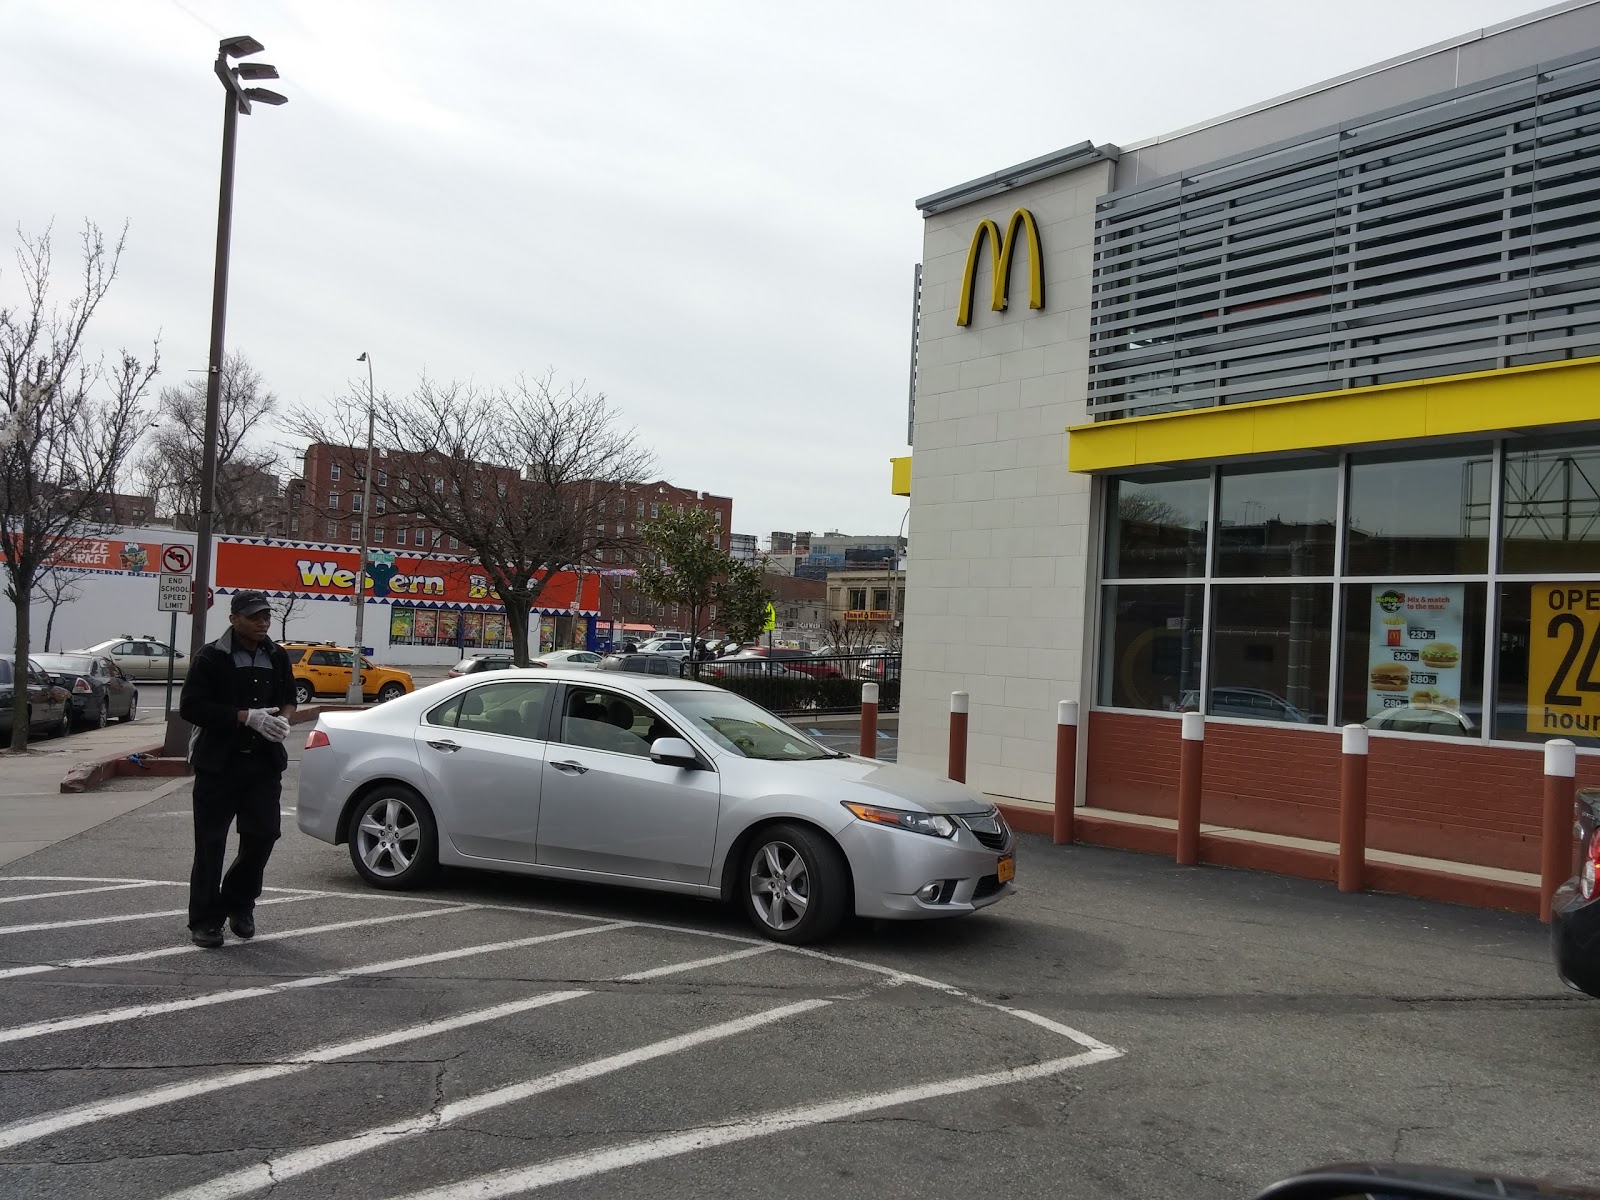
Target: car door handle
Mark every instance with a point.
(447, 747)
(573, 767)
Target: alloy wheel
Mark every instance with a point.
(780, 885)
(388, 837)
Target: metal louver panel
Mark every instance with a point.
(1462, 234)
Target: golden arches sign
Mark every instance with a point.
(1003, 249)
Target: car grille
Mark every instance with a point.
(988, 828)
(987, 886)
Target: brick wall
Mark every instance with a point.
(1455, 800)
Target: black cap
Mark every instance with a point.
(248, 604)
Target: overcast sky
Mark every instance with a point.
(704, 210)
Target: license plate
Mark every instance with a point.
(1006, 868)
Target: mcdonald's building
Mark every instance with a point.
(1291, 418)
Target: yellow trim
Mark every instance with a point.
(900, 476)
(1002, 249)
(1562, 393)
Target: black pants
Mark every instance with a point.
(247, 791)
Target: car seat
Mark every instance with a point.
(620, 714)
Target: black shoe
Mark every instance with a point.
(243, 926)
(209, 936)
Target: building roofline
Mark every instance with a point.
(1069, 158)
(1325, 85)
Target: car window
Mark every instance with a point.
(295, 653)
(323, 658)
(659, 666)
(741, 727)
(597, 719)
(515, 708)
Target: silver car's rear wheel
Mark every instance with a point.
(796, 884)
(393, 840)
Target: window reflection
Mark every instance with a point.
(1152, 645)
(1270, 648)
(1552, 507)
(1419, 516)
(1278, 522)
(1156, 526)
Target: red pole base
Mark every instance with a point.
(869, 730)
(1190, 765)
(1554, 856)
(1352, 822)
(1066, 783)
(958, 747)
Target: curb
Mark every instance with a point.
(1218, 849)
(87, 776)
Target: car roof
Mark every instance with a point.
(622, 680)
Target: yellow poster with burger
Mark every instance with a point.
(1414, 649)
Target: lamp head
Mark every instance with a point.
(238, 47)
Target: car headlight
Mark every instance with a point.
(933, 824)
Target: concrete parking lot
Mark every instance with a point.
(1120, 1028)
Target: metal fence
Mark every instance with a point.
(806, 684)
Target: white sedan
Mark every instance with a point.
(646, 782)
(581, 660)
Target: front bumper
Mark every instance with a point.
(1575, 938)
(891, 865)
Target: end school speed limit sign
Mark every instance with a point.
(1564, 660)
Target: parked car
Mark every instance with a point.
(1253, 703)
(141, 658)
(749, 664)
(97, 690)
(48, 711)
(1424, 718)
(675, 647)
(1575, 909)
(640, 663)
(489, 660)
(322, 669)
(796, 660)
(883, 668)
(582, 660)
(647, 782)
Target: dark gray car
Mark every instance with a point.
(97, 690)
(47, 700)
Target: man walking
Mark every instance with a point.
(239, 696)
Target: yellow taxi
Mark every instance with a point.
(323, 669)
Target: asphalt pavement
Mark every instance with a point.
(1120, 1028)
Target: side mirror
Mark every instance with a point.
(674, 752)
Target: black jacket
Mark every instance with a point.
(213, 693)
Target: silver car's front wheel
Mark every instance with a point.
(393, 840)
(796, 884)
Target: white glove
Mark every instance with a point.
(267, 723)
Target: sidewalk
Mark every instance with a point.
(1305, 858)
(34, 813)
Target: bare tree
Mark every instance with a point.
(530, 478)
(56, 587)
(246, 473)
(849, 637)
(68, 426)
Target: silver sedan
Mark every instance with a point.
(646, 782)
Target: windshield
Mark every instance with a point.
(63, 662)
(743, 728)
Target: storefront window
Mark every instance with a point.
(1280, 522)
(1156, 525)
(1548, 679)
(1271, 646)
(1415, 516)
(1153, 639)
(1552, 507)
(1413, 657)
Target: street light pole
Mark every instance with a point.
(236, 99)
(355, 696)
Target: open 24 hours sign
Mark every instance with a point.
(1564, 660)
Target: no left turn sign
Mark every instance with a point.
(177, 559)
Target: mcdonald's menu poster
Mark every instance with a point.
(1414, 649)
(1564, 660)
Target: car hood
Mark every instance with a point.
(866, 781)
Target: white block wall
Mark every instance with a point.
(997, 577)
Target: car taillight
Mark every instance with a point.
(81, 687)
(317, 738)
(1589, 871)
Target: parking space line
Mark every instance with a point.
(515, 1180)
(144, 916)
(277, 1170)
(138, 1012)
(33, 1128)
(113, 960)
(675, 968)
(89, 891)
(85, 879)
